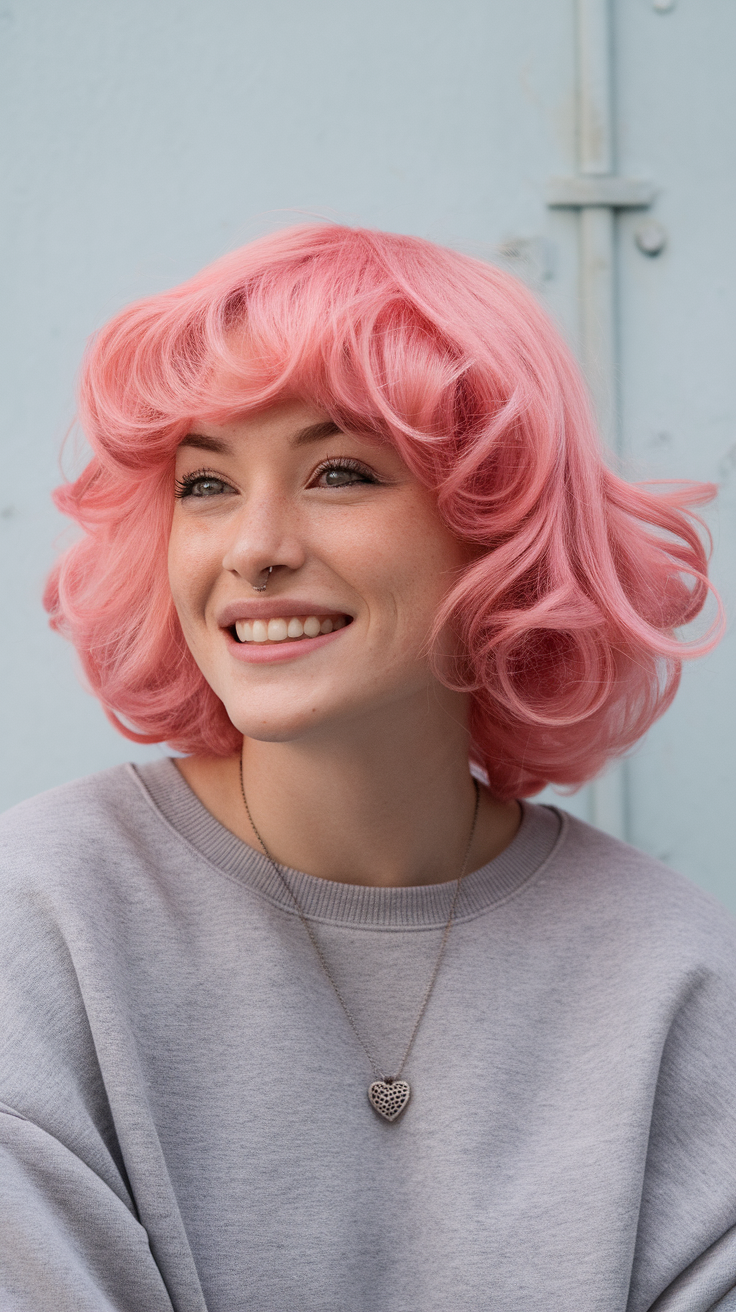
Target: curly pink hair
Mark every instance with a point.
(566, 616)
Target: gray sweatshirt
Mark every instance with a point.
(185, 1115)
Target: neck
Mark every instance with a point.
(388, 803)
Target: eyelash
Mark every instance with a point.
(344, 462)
(184, 487)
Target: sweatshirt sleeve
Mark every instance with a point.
(686, 1247)
(708, 1285)
(88, 1216)
(67, 1241)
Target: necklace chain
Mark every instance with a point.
(323, 961)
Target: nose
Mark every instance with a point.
(265, 536)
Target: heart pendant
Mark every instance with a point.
(389, 1098)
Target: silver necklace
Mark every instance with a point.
(388, 1094)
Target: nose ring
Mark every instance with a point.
(268, 571)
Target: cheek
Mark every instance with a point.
(191, 570)
(430, 554)
(406, 562)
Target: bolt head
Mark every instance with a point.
(650, 237)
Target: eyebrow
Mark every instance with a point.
(207, 443)
(303, 437)
(316, 433)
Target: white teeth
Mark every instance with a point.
(277, 630)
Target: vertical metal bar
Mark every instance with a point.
(595, 151)
(598, 314)
(598, 295)
(595, 134)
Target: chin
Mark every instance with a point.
(272, 726)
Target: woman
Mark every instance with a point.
(308, 1018)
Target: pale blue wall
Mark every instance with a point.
(144, 139)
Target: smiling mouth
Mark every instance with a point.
(294, 628)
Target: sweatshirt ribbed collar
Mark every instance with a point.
(422, 907)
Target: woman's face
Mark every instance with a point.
(356, 547)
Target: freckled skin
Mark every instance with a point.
(377, 551)
(355, 756)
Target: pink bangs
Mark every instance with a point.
(567, 616)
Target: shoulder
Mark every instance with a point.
(82, 869)
(78, 872)
(81, 827)
(82, 806)
(624, 901)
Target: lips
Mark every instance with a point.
(277, 652)
(298, 626)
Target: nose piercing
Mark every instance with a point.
(268, 571)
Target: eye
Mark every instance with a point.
(342, 472)
(200, 484)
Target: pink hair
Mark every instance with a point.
(567, 615)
